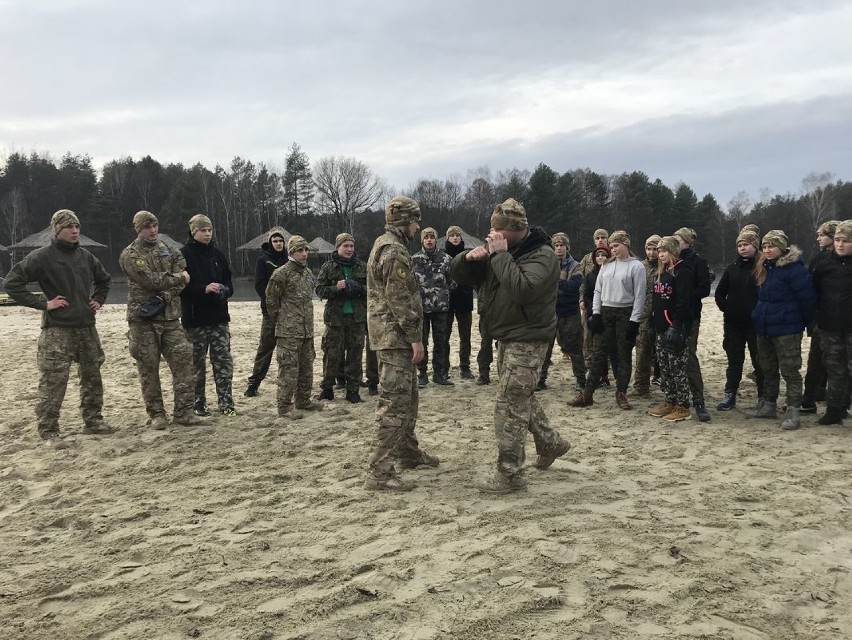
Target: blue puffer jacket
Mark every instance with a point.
(786, 301)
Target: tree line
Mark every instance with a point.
(339, 193)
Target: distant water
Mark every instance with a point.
(243, 292)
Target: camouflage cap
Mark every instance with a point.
(453, 230)
(142, 219)
(652, 241)
(428, 231)
(62, 219)
(776, 238)
(600, 233)
(510, 216)
(620, 236)
(751, 238)
(844, 230)
(753, 228)
(295, 243)
(670, 244)
(560, 238)
(275, 231)
(401, 211)
(687, 235)
(343, 237)
(199, 221)
(828, 228)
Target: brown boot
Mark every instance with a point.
(584, 398)
(391, 483)
(621, 400)
(559, 450)
(310, 405)
(498, 484)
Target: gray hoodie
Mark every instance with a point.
(621, 284)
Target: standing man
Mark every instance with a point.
(431, 267)
(76, 285)
(395, 321)
(155, 277)
(205, 315)
(700, 290)
(342, 282)
(289, 301)
(274, 255)
(517, 273)
(645, 358)
(461, 307)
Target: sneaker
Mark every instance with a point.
(326, 394)
(467, 374)
(499, 484)
(483, 379)
(55, 441)
(99, 427)
(424, 460)
(188, 421)
(158, 423)
(808, 406)
(544, 461)
(677, 414)
(353, 396)
(310, 405)
(393, 483)
(201, 409)
(228, 411)
(251, 391)
(662, 410)
(764, 409)
(728, 402)
(422, 379)
(373, 389)
(791, 419)
(541, 386)
(701, 411)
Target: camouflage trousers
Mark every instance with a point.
(58, 347)
(396, 414)
(343, 350)
(816, 376)
(645, 357)
(465, 322)
(614, 337)
(673, 380)
(837, 349)
(517, 409)
(295, 372)
(693, 367)
(569, 336)
(436, 322)
(216, 340)
(779, 357)
(150, 340)
(265, 351)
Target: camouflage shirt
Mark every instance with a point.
(432, 271)
(152, 269)
(355, 292)
(651, 270)
(289, 301)
(394, 308)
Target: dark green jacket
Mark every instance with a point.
(356, 290)
(518, 288)
(61, 269)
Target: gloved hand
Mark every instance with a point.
(352, 288)
(674, 340)
(632, 332)
(596, 324)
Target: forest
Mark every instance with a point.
(339, 193)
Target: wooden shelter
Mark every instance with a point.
(170, 242)
(42, 239)
(320, 246)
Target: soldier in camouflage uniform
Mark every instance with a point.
(395, 324)
(205, 315)
(289, 302)
(76, 285)
(342, 282)
(517, 274)
(431, 267)
(155, 271)
(832, 278)
(645, 358)
(587, 265)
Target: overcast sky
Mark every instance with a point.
(726, 95)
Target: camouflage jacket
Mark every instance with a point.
(587, 263)
(433, 276)
(356, 289)
(651, 270)
(152, 270)
(289, 301)
(394, 308)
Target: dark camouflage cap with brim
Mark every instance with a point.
(401, 211)
(509, 216)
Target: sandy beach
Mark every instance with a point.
(258, 527)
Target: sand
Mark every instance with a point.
(258, 527)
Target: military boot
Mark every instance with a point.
(584, 399)
(764, 409)
(251, 390)
(98, 427)
(326, 394)
(484, 378)
(423, 459)
(466, 373)
(422, 379)
(543, 461)
(373, 389)
(310, 405)
(353, 396)
(791, 419)
(833, 415)
(499, 484)
(442, 379)
(391, 483)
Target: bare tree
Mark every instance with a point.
(738, 207)
(345, 187)
(819, 197)
(13, 210)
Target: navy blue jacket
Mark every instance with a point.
(786, 301)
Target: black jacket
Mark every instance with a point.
(205, 264)
(461, 295)
(701, 279)
(832, 278)
(736, 293)
(673, 299)
(268, 262)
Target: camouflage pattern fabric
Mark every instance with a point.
(217, 340)
(781, 356)
(152, 270)
(58, 347)
(837, 348)
(265, 351)
(289, 301)
(295, 372)
(517, 410)
(437, 323)
(569, 336)
(150, 340)
(645, 352)
(396, 415)
(615, 321)
(432, 271)
(343, 349)
(673, 379)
